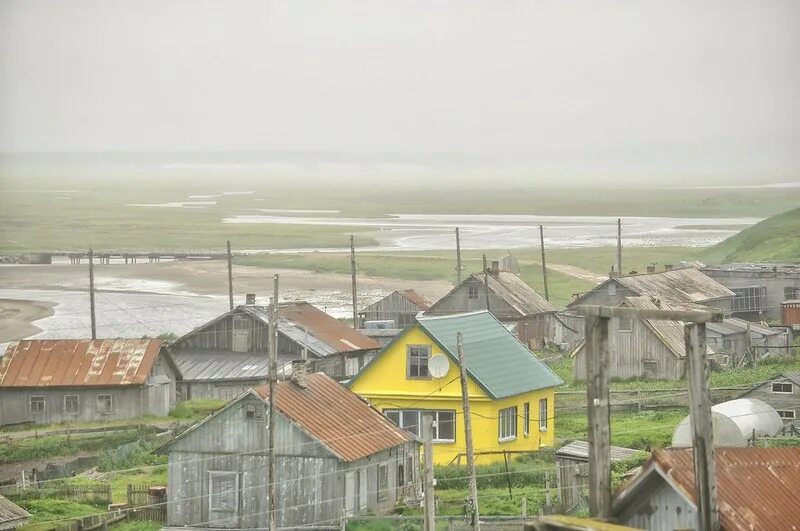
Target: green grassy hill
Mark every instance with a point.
(776, 239)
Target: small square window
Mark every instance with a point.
(105, 404)
(72, 404)
(417, 363)
(253, 412)
(38, 405)
(788, 414)
(782, 387)
(474, 292)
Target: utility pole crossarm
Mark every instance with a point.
(689, 316)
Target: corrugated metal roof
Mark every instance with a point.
(204, 365)
(756, 487)
(322, 326)
(10, 512)
(580, 450)
(495, 359)
(671, 333)
(78, 362)
(415, 298)
(734, 325)
(337, 417)
(678, 285)
(516, 292)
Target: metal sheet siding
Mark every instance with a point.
(101, 362)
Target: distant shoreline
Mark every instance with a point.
(17, 318)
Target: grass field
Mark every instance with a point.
(775, 239)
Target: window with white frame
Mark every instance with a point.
(351, 366)
(474, 291)
(543, 414)
(417, 357)
(783, 388)
(444, 422)
(383, 482)
(72, 404)
(105, 404)
(253, 412)
(38, 405)
(507, 424)
(788, 414)
(526, 418)
(223, 491)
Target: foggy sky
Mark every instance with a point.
(674, 86)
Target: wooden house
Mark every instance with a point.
(227, 355)
(70, 380)
(336, 456)
(687, 285)
(510, 300)
(12, 515)
(641, 348)
(756, 490)
(511, 392)
(740, 340)
(400, 307)
(572, 462)
(782, 393)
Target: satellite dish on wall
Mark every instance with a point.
(438, 366)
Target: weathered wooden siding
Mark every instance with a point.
(394, 308)
(775, 282)
(662, 509)
(780, 401)
(219, 335)
(565, 330)
(734, 345)
(458, 301)
(335, 365)
(128, 402)
(629, 350)
(310, 479)
(224, 390)
(573, 478)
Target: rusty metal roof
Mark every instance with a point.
(415, 298)
(78, 362)
(11, 514)
(337, 417)
(327, 329)
(756, 487)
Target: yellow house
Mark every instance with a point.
(510, 391)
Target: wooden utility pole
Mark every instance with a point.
(619, 246)
(458, 257)
(486, 281)
(91, 293)
(230, 276)
(427, 446)
(273, 379)
(544, 263)
(353, 278)
(702, 428)
(473, 484)
(598, 405)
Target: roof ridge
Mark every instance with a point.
(452, 315)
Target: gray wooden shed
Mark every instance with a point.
(69, 380)
(400, 307)
(335, 455)
(782, 393)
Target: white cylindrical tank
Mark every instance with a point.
(734, 422)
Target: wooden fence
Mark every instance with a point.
(644, 399)
(147, 502)
(91, 494)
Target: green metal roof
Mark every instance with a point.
(495, 359)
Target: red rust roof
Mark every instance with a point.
(415, 298)
(337, 417)
(326, 328)
(78, 362)
(757, 488)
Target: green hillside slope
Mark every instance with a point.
(776, 239)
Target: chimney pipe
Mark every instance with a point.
(250, 299)
(300, 373)
(495, 265)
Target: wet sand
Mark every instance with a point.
(17, 318)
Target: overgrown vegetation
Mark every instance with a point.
(196, 409)
(62, 445)
(775, 239)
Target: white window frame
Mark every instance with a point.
(473, 291)
(77, 405)
(253, 412)
(218, 474)
(414, 418)
(351, 366)
(789, 392)
(542, 415)
(787, 414)
(43, 401)
(526, 419)
(507, 429)
(109, 403)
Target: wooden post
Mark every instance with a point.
(508, 475)
(273, 379)
(748, 346)
(353, 279)
(524, 508)
(598, 406)
(619, 246)
(427, 442)
(473, 484)
(544, 263)
(458, 257)
(230, 275)
(547, 496)
(702, 430)
(486, 282)
(91, 293)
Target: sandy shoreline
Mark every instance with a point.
(17, 318)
